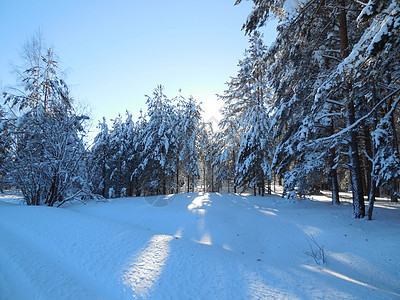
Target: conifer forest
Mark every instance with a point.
(316, 110)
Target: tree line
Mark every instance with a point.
(334, 75)
(316, 110)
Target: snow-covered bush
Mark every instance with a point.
(46, 159)
(111, 193)
(123, 193)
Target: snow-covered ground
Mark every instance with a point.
(198, 246)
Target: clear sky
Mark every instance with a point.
(115, 52)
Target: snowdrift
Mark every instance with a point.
(198, 246)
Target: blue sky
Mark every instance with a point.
(115, 52)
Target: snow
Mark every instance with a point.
(198, 246)
(291, 7)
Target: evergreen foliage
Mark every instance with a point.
(334, 75)
(319, 107)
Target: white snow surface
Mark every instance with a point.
(198, 246)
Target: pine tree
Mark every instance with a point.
(5, 143)
(207, 156)
(159, 140)
(253, 165)
(139, 176)
(188, 133)
(244, 98)
(99, 160)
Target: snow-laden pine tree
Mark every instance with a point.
(99, 160)
(127, 151)
(207, 152)
(5, 143)
(113, 158)
(244, 99)
(188, 130)
(227, 143)
(159, 151)
(121, 140)
(139, 176)
(253, 165)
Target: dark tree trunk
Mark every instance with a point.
(36, 196)
(138, 189)
(274, 182)
(53, 197)
(371, 197)
(164, 186)
(177, 180)
(355, 171)
(372, 152)
(103, 174)
(335, 187)
(212, 179)
(333, 174)
(204, 177)
(368, 162)
(262, 184)
(343, 34)
(393, 192)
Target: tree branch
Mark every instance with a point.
(358, 122)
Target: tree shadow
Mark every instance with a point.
(231, 246)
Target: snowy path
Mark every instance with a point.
(197, 246)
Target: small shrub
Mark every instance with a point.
(316, 251)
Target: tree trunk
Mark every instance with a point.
(177, 179)
(204, 177)
(372, 189)
(164, 185)
(355, 171)
(104, 174)
(371, 197)
(53, 191)
(372, 153)
(212, 179)
(263, 187)
(333, 174)
(335, 187)
(274, 178)
(393, 192)
(36, 197)
(369, 151)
